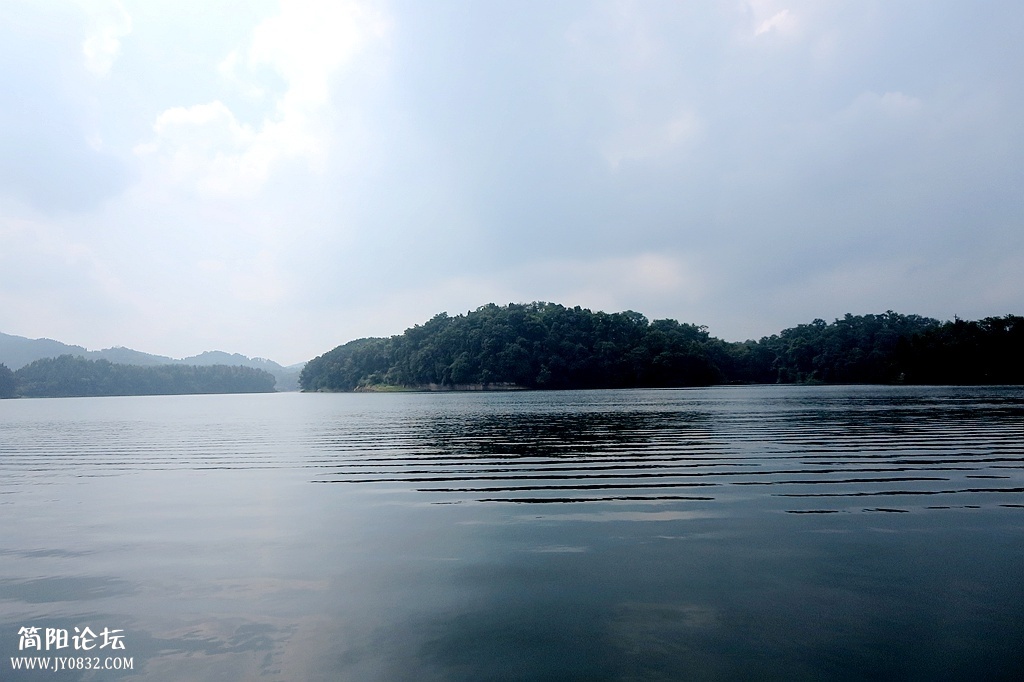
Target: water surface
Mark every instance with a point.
(725, 533)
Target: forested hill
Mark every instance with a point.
(546, 345)
(68, 376)
(18, 351)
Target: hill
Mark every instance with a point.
(69, 375)
(546, 345)
(18, 351)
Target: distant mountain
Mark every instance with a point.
(126, 356)
(18, 351)
(287, 377)
(68, 376)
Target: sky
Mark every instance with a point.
(275, 178)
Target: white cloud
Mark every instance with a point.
(776, 18)
(310, 40)
(780, 22)
(302, 166)
(110, 22)
(305, 45)
(207, 144)
(637, 142)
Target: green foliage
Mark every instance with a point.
(854, 349)
(988, 351)
(69, 375)
(534, 345)
(8, 384)
(545, 345)
(892, 348)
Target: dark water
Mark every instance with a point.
(730, 533)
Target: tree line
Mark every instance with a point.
(548, 346)
(70, 376)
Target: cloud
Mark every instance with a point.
(904, 282)
(225, 171)
(611, 282)
(207, 145)
(650, 141)
(101, 46)
(42, 272)
(780, 22)
(306, 45)
(50, 155)
(308, 42)
(631, 70)
(656, 282)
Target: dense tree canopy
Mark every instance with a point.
(854, 349)
(988, 351)
(545, 345)
(8, 385)
(535, 345)
(69, 375)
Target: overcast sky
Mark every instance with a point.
(277, 178)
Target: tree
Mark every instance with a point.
(546, 345)
(8, 384)
(531, 345)
(69, 375)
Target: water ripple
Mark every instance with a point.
(759, 448)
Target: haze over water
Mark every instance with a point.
(726, 533)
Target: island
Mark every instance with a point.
(543, 345)
(75, 376)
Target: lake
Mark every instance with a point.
(769, 532)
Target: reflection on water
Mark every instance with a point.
(779, 532)
(849, 443)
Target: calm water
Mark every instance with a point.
(728, 533)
